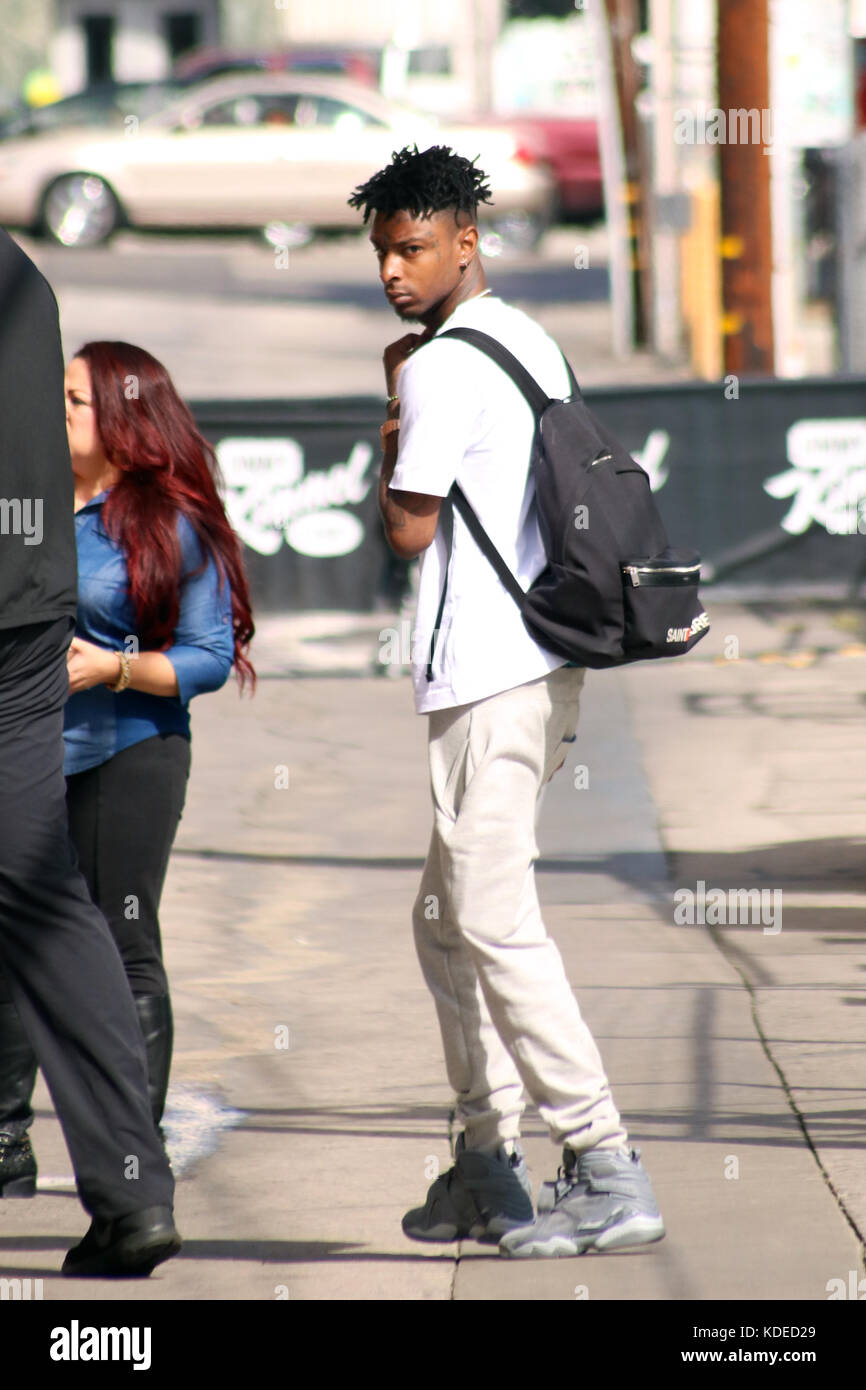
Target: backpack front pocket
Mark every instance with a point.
(663, 613)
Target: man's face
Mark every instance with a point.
(419, 260)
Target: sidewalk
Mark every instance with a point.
(308, 1058)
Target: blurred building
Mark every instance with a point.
(437, 53)
(83, 42)
(26, 28)
(127, 40)
(447, 56)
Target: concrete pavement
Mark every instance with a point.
(308, 1058)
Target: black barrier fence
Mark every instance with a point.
(767, 479)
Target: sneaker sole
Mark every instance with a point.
(492, 1233)
(485, 1235)
(436, 1235)
(513, 1210)
(639, 1230)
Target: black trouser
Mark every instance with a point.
(123, 817)
(66, 976)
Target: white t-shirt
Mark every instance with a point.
(463, 418)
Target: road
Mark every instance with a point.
(231, 318)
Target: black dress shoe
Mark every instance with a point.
(17, 1166)
(132, 1244)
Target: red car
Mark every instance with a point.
(570, 146)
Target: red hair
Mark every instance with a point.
(166, 467)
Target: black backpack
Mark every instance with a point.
(613, 590)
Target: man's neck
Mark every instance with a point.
(469, 288)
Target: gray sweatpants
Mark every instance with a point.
(508, 1015)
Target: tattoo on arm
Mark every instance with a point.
(409, 515)
(394, 516)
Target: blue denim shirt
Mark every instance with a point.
(98, 723)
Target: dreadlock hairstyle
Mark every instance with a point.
(422, 183)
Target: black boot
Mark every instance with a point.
(157, 1025)
(17, 1078)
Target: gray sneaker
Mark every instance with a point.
(601, 1200)
(480, 1198)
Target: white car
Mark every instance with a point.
(246, 152)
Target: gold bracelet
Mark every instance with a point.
(125, 673)
(388, 428)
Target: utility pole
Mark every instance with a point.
(747, 266)
(664, 183)
(487, 21)
(617, 217)
(622, 23)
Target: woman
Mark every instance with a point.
(163, 614)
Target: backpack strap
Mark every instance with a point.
(446, 521)
(526, 384)
(538, 401)
(485, 544)
(457, 497)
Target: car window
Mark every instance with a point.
(433, 61)
(342, 117)
(245, 111)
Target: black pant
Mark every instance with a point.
(66, 976)
(123, 817)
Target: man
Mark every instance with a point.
(500, 709)
(68, 984)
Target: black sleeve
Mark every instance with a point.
(37, 532)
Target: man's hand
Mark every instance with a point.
(410, 518)
(397, 353)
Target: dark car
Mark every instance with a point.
(360, 64)
(105, 103)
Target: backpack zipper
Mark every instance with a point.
(634, 572)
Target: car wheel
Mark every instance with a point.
(80, 210)
(287, 235)
(521, 231)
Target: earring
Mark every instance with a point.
(462, 267)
